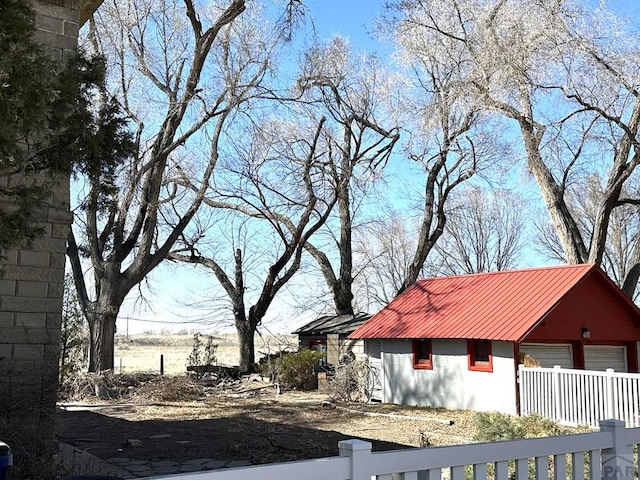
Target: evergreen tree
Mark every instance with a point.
(48, 123)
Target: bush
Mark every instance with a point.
(202, 354)
(269, 364)
(494, 426)
(296, 370)
(74, 335)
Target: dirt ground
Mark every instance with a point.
(263, 427)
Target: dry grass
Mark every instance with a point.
(246, 422)
(244, 418)
(141, 353)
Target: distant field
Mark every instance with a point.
(141, 353)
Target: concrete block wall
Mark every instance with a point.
(31, 282)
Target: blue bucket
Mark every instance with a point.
(6, 460)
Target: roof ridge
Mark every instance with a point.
(504, 272)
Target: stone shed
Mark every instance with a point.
(330, 334)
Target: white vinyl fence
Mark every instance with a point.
(580, 397)
(607, 455)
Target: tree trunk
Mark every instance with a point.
(633, 272)
(102, 327)
(568, 232)
(343, 286)
(343, 297)
(246, 328)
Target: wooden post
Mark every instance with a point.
(161, 365)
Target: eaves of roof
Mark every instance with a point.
(328, 324)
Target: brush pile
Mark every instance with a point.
(150, 387)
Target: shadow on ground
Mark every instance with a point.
(276, 434)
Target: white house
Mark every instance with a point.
(456, 342)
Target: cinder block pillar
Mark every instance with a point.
(333, 349)
(31, 287)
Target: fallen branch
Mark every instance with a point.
(254, 389)
(391, 415)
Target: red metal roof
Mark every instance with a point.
(493, 306)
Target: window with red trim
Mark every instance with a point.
(422, 356)
(479, 355)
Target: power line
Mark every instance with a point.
(172, 322)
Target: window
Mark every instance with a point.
(319, 346)
(422, 357)
(479, 355)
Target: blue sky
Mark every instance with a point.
(349, 18)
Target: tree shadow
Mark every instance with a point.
(277, 437)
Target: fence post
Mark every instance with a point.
(617, 461)
(523, 402)
(557, 394)
(610, 405)
(358, 452)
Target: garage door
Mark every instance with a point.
(601, 357)
(549, 355)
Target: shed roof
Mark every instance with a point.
(504, 305)
(341, 324)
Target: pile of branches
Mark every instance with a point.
(353, 382)
(244, 386)
(130, 387)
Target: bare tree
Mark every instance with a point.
(447, 135)
(565, 74)
(620, 257)
(485, 233)
(347, 90)
(384, 250)
(181, 74)
(274, 184)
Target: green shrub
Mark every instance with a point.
(537, 426)
(296, 370)
(202, 354)
(495, 426)
(74, 334)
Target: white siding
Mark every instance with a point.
(450, 384)
(373, 349)
(348, 346)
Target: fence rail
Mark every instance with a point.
(607, 455)
(580, 397)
